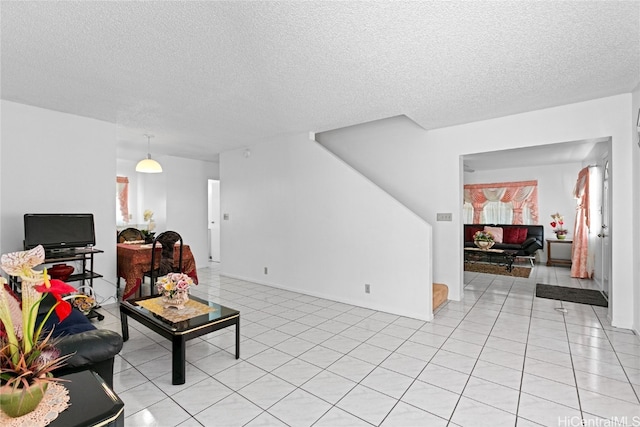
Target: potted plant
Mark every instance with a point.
(558, 226)
(27, 355)
(148, 234)
(483, 239)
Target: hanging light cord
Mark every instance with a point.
(149, 136)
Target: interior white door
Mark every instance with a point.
(214, 220)
(605, 233)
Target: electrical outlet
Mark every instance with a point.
(367, 288)
(266, 270)
(444, 217)
(225, 216)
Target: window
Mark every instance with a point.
(501, 203)
(122, 200)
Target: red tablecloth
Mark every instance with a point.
(134, 260)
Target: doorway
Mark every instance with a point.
(505, 165)
(214, 220)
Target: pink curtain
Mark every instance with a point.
(520, 194)
(476, 197)
(122, 188)
(580, 248)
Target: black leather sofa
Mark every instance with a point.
(93, 349)
(534, 237)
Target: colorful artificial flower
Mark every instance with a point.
(24, 353)
(558, 224)
(56, 288)
(173, 283)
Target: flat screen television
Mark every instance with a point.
(58, 231)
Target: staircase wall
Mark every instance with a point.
(321, 228)
(396, 155)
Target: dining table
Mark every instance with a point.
(135, 259)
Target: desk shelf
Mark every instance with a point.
(84, 255)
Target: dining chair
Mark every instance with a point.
(130, 235)
(170, 241)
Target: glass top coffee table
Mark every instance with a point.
(179, 332)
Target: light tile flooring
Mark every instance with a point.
(501, 357)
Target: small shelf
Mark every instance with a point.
(88, 275)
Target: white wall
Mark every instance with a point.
(177, 197)
(187, 202)
(394, 153)
(54, 162)
(600, 118)
(635, 191)
(321, 228)
(555, 191)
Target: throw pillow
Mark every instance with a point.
(514, 235)
(522, 236)
(469, 231)
(75, 323)
(511, 235)
(497, 233)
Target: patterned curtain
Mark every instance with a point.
(581, 265)
(517, 196)
(476, 197)
(122, 193)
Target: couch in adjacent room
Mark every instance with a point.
(526, 239)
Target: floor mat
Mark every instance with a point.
(563, 293)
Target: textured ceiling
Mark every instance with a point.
(205, 77)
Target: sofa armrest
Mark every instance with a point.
(90, 347)
(531, 245)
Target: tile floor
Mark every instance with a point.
(499, 358)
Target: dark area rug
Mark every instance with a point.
(563, 293)
(497, 269)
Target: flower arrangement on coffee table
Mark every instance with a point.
(174, 288)
(483, 239)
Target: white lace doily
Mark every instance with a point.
(55, 400)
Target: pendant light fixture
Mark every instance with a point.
(148, 165)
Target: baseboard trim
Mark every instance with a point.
(376, 307)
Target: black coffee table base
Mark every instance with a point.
(179, 336)
(502, 257)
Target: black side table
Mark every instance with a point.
(92, 403)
